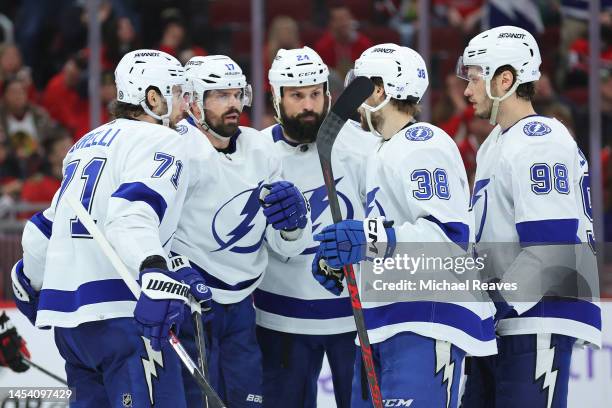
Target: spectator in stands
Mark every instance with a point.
(401, 15)
(11, 65)
(578, 55)
(342, 44)
(119, 37)
(464, 15)
(452, 112)
(64, 95)
(23, 124)
(574, 26)
(175, 39)
(10, 178)
(283, 33)
(40, 188)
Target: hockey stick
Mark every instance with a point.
(131, 283)
(348, 102)
(196, 317)
(44, 370)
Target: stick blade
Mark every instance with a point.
(352, 97)
(349, 100)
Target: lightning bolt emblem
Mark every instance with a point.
(148, 365)
(545, 356)
(445, 364)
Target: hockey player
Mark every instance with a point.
(230, 248)
(417, 180)
(298, 321)
(131, 175)
(531, 197)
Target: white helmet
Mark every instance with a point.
(499, 46)
(296, 67)
(215, 72)
(402, 70)
(140, 69)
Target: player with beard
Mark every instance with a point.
(223, 230)
(299, 321)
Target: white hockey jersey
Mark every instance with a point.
(417, 180)
(222, 230)
(289, 299)
(132, 177)
(532, 187)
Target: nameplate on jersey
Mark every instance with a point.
(536, 128)
(419, 133)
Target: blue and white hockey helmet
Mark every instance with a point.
(214, 72)
(140, 69)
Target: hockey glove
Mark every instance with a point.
(197, 286)
(284, 206)
(352, 241)
(161, 305)
(328, 277)
(26, 298)
(12, 346)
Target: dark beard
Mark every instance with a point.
(222, 129)
(300, 131)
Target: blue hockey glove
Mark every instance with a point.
(352, 241)
(26, 297)
(328, 277)
(284, 206)
(161, 305)
(197, 286)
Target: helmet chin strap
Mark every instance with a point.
(165, 118)
(368, 112)
(203, 122)
(497, 100)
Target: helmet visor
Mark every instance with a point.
(350, 76)
(468, 72)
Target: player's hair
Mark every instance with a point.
(122, 110)
(409, 106)
(524, 91)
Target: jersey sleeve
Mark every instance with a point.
(153, 180)
(434, 189)
(540, 179)
(34, 241)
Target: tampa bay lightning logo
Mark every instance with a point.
(181, 129)
(480, 192)
(247, 236)
(536, 129)
(317, 197)
(372, 203)
(419, 133)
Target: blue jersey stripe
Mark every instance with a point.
(138, 191)
(108, 290)
(457, 232)
(573, 309)
(320, 309)
(42, 223)
(560, 231)
(431, 312)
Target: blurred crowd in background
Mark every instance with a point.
(44, 104)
